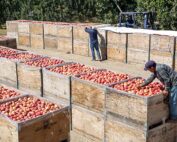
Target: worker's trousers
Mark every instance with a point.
(94, 46)
(173, 103)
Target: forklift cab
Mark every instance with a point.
(129, 19)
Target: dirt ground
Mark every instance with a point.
(132, 69)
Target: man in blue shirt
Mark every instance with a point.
(168, 77)
(93, 42)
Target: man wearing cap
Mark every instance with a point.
(93, 42)
(168, 77)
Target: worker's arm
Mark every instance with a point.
(166, 78)
(149, 80)
(88, 30)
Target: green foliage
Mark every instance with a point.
(102, 11)
(166, 11)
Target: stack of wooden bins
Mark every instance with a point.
(138, 48)
(8, 42)
(37, 35)
(162, 49)
(24, 35)
(134, 118)
(88, 110)
(51, 36)
(12, 29)
(80, 40)
(116, 46)
(30, 77)
(65, 38)
(52, 126)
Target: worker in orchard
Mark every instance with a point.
(168, 77)
(93, 42)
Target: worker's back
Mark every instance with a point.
(93, 34)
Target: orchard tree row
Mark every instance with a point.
(100, 11)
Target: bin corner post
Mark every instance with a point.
(149, 54)
(174, 53)
(126, 46)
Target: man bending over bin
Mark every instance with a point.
(93, 42)
(168, 77)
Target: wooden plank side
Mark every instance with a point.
(29, 79)
(8, 73)
(117, 131)
(137, 56)
(80, 34)
(37, 41)
(88, 95)
(143, 111)
(65, 45)
(123, 105)
(116, 39)
(36, 28)
(77, 136)
(65, 31)
(162, 58)
(50, 29)
(9, 132)
(163, 133)
(138, 41)
(12, 26)
(24, 27)
(54, 129)
(161, 43)
(56, 86)
(121, 131)
(24, 39)
(88, 122)
(114, 52)
(162, 48)
(81, 47)
(50, 42)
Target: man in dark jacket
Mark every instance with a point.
(93, 42)
(168, 77)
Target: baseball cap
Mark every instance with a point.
(149, 64)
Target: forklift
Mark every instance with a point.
(143, 20)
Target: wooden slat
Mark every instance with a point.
(77, 136)
(24, 39)
(29, 79)
(37, 41)
(81, 47)
(87, 94)
(50, 42)
(65, 45)
(8, 73)
(36, 28)
(88, 122)
(56, 86)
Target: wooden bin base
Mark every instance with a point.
(119, 131)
